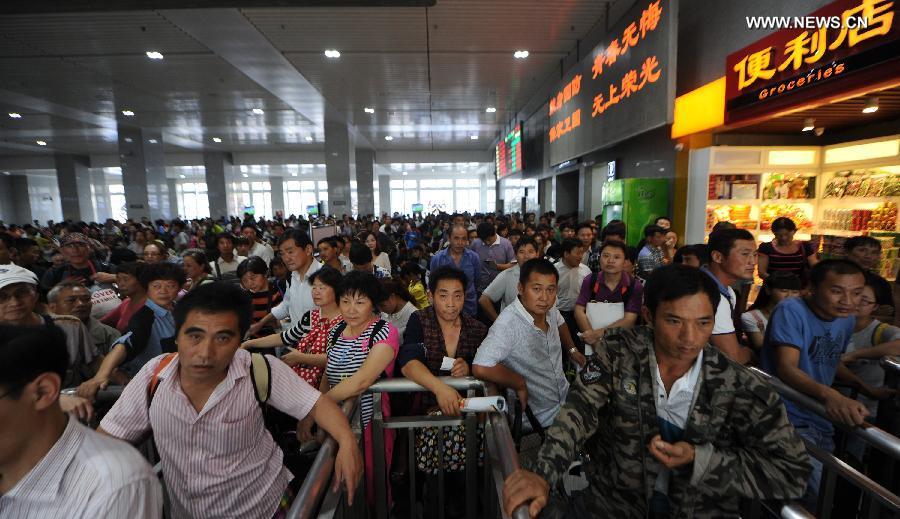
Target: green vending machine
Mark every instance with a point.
(637, 202)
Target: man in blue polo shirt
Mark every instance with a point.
(805, 339)
(732, 255)
(458, 255)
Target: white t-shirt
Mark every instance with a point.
(226, 266)
(569, 285)
(401, 318)
(724, 323)
(754, 321)
(264, 251)
(504, 288)
(868, 370)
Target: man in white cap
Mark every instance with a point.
(18, 299)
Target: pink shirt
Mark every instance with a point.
(221, 462)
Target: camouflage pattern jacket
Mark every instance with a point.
(744, 445)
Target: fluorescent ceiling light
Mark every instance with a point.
(520, 54)
(245, 175)
(257, 111)
(473, 137)
(15, 115)
(152, 54)
(809, 124)
(369, 110)
(405, 173)
(181, 176)
(127, 113)
(152, 141)
(871, 106)
(490, 109)
(216, 139)
(41, 143)
(388, 138)
(332, 53)
(309, 138)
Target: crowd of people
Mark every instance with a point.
(629, 355)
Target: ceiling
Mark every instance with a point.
(833, 117)
(429, 74)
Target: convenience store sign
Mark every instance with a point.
(624, 87)
(847, 45)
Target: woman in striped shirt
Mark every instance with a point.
(253, 273)
(308, 338)
(360, 352)
(785, 254)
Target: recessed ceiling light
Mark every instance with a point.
(388, 138)
(808, 124)
(871, 106)
(182, 176)
(15, 115)
(152, 141)
(127, 139)
(309, 138)
(152, 54)
(127, 113)
(216, 139)
(520, 54)
(405, 173)
(6, 173)
(245, 175)
(332, 53)
(473, 137)
(257, 111)
(294, 174)
(490, 109)
(41, 143)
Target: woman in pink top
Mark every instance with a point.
(128, 281)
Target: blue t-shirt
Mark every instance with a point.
(821, 344)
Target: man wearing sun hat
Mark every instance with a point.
(98, 277)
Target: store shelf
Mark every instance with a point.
(840, 232)
(789, 201)
(732, 201)
(862, 199)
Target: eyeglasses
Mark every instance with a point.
(20, 293)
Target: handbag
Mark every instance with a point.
(517, 432)
(448, 442)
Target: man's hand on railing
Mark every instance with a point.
(460, 368)
(80, 407)
(522, 486)
(844, 410)
(348, 468)
(88, 389)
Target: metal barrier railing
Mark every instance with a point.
(833, 466)
(315, 484)
(890, 364)
(498, 446)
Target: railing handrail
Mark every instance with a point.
(110, 394)
(315, 484)
(856, 478)
(404, 385)
(890, 363)
(506, 450)
(795, 511)
(866, 432)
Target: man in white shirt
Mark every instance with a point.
(297, 252)
(227, 264)
(571, 275)
(257, 247)
(732, 258)
(51, 466)
(504, 289)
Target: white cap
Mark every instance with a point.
(10, 274)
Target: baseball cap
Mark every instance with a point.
(73, 238)
(10, 274)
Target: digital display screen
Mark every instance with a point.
(509, 153)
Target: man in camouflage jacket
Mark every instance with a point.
(739, 443)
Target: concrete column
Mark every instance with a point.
(144, 174)
(277, 184)
(74, 180)
(173, 198)
(100, 195)
(483, 185)
(340, 161)
(218, 168)
(384, 194)
(365, 194)
(15, 204)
